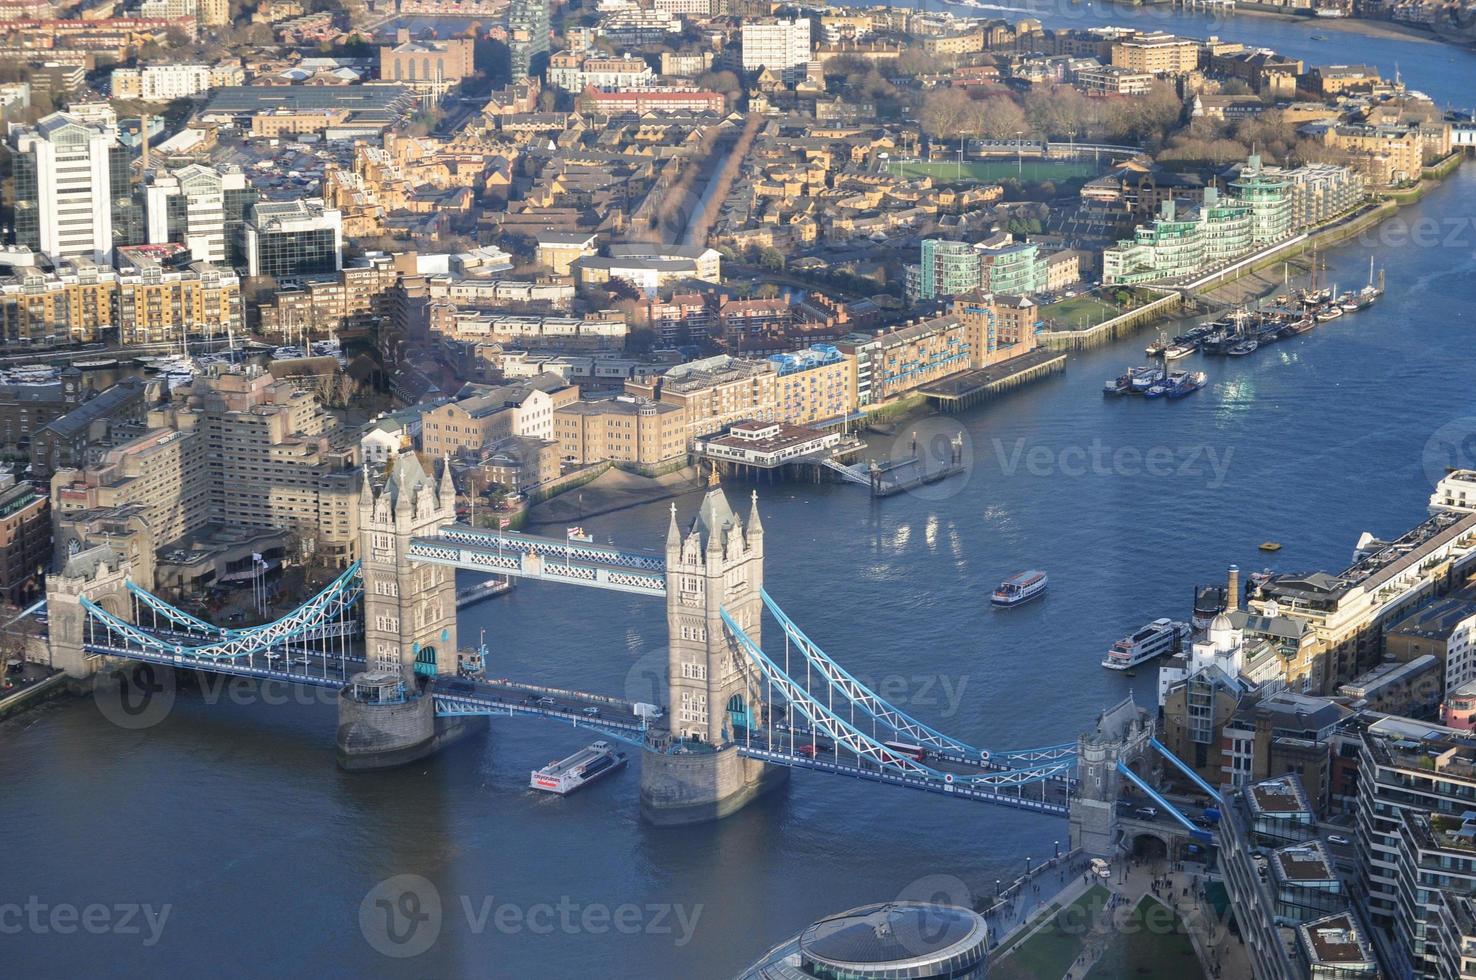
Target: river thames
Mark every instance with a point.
(233, 815)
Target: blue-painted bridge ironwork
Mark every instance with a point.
(814, 715)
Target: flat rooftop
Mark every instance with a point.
(1278, 797)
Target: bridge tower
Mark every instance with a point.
(1122, 735)
(99, 573)
(384, 719)
(717, 565)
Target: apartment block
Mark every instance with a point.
(625, 429)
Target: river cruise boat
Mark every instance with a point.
(1158, 637)
(583, 767)
(1019, 588)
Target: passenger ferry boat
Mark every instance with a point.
(585, 766)
(1019, 588)
(1158, 637)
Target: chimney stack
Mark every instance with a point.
(1232, 600)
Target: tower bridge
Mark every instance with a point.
(741, 714)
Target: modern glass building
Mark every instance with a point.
(527, 37)
(293, 238)
(1269, 197)
(945, 269)
(894, 940)
(1011, 268)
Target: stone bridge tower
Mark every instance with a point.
(409, 609)
(1122, 735)
(717, 565)
(384, 718)
(98, 573)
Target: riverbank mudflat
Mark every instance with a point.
(611, 491)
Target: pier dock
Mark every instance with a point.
(968, 388)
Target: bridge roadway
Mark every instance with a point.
(565, 560)
(294, 663)
(1045, 796)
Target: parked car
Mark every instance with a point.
(1338, 839)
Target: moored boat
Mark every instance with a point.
(1243, 348)
(1191, 383)
(1327, 313)
(1146, 378)
(1158, 637)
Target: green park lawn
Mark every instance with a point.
(1160, 951)
(1050, 950)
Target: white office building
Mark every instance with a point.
(67, 176)
(199, 206)
(778, 45)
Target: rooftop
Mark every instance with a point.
(1280, 796)
(1303, 863)
(1336, 941)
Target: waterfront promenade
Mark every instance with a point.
(1031, 919)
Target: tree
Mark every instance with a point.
(948, 113)
(720, 81)
(1001, 118)
(915, 61)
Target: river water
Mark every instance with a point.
(232, 814)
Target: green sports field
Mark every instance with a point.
(991, 171)
(1078, 311)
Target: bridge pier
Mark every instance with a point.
(700, 786)
(381, 728)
